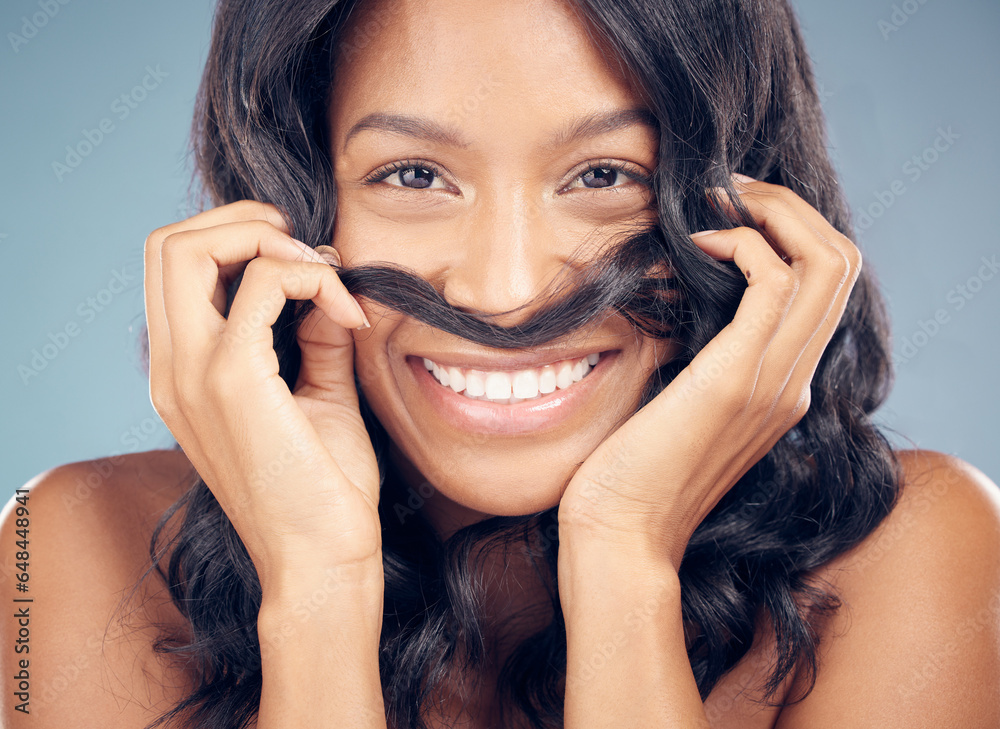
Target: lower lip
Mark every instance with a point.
(491, 418)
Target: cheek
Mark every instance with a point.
(370, 230)
(658, 352)
(371, 365)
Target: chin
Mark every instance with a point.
(500, 497)
(475, 488)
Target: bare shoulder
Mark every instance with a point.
(916, 642)
(945, 527)
(78, 540)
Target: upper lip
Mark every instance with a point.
(506, 361)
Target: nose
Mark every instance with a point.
(506, 255)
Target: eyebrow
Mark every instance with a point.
(592, 125)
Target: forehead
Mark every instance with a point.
(456, 59)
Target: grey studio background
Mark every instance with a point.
(910, 92)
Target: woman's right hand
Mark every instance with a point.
(295, 473)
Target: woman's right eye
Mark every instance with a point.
(407, 174)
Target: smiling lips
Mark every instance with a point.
(509, 387)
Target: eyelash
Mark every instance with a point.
(385, 171)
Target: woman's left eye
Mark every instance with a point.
(420, 175)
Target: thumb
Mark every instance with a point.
(327, 367)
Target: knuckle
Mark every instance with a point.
(264, 230)
(186, 397)
(260, 269)
(854, 258)
(173, 246)
(733, 391)
(154, 238)
(796, 402)
(836, 262)
(262, 212)
(785, 282)
(261, 227)
(781, 204)
(745, 235)
(250, 207)
(785, 194)
(154, 241)
(161, 395)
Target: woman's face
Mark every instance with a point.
(475, 104)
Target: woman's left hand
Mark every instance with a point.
(649, 484)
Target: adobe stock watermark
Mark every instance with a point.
(959, 296)
(702, 375)
(48, 9)
(337, 578)
(471, 101)
(593, 490)
(913, 169)
(68, 673)
(86, 313)
(900, 16)
(291, 454)
(942, 658)
(415, 501)
(633, 622)
(121, 108)
(361, 37)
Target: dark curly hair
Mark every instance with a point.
(731, 87)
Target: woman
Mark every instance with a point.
(607, 324)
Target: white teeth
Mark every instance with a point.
(457, 379)
(525, 384)
(498, 386)
(564, 377)
(512, 387)
(547, 380)
(474, 384)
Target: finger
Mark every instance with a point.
(326, 369)
(268, 284)
(231, 249)
(816, 347)
(810, 214)
(156, 320)
(190, 262)
(235, 212)
(773, 215)
(823, 269)
(240, 211)
(779, 212)
(243, 210)
(771, 287)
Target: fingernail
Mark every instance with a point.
(332, 257)
(329, 254)
(703, 232)
(366, 325)
(743, 178)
